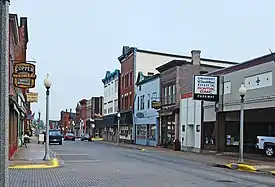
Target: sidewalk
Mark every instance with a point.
(253, 162)
(32, 157)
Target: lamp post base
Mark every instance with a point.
(47, 157)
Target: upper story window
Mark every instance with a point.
(142, 102)
(173, 93)
(148, 101)
(138, 103)
(130, 100)
(131, 78)
(122, 82)
(126, 80)
(165, 91)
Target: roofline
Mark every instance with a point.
(151, 78)
(183, 56)
(116, 71)
(132, 49)
(246, 64)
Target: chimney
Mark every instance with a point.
(196, 57)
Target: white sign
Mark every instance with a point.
(206, 88)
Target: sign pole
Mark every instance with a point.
(4, 91)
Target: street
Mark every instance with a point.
(101, 165)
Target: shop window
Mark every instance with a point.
(141, 131)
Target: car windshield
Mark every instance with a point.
(86, 135)
(69, 134)
(55, 133)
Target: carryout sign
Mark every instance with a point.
(206, 88)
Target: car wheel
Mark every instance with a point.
(269, 151)
(73, 139)
(82, 140)
(60, 143)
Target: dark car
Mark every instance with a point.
(69, 136)
(86, 137)
(55, 136)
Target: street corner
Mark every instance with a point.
(240, 167)
(272, 173)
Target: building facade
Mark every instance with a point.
(20, 115)
(146, 118)
(176, 77)
(94, 113)
(67, 121)
(111, 83)
(221, 122)
(134, 60)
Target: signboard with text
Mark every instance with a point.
(32, 97)
(206, 88)
(24, 75)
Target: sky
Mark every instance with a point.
(76, 42)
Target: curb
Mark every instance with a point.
(54, 163)
(240, 167)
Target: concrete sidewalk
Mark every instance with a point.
(32, 157)
(253, 163)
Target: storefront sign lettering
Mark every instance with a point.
(24, 75)
(206, 88)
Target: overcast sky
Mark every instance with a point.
(77, 41)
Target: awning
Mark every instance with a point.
(109, 120)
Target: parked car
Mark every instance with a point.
(69, 136)
(267, 144)
(86, 137)
(55, 136)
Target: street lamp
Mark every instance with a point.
(118, 129)
(47, 84)
(242, 91)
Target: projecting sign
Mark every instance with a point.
(206, 88)
(24, 75)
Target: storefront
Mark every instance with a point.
(167, 130)
(147, 128)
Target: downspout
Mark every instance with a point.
(133, 106)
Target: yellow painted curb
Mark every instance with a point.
(97, 139)
(242, 167)
(142, 150)
(272, 172)
(54, 164)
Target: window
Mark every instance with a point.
(116, 86)
(122, 82)
(105, 108)
(173, 93)
(141, 131)
(126, 80)
(122, 103)
(126, 102)
(142, 102)
(139, 88)
(154, 96)
(130, 100)
(165, 95)
(116, 106)
(138, 103)
(169, 94)
(105, 91)
(110, 109)
(148, 102)
(112, 88)
(131, 78)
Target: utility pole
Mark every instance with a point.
(4, 92)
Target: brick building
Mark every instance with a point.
(20, 115)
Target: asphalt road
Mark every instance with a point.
(95, 164)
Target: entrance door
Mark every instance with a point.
(191, 136)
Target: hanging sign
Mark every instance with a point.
(206, 88)
(24, 75)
